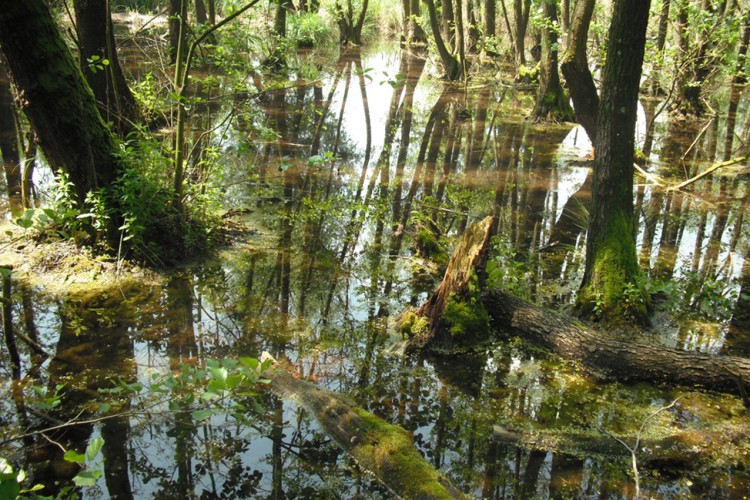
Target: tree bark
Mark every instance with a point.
(96, 43)
(611, 288)
(454, 70)
(55, 97)
(9, 149)
(575, 69)
(613, 358)
(551, 103)
(521, 14)
(601, 354)
(385, 450)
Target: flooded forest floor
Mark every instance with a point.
(345, 187)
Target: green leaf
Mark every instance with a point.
(202, 414)
(74, 456)
(104, 408)
(219, 374)
(250, 362)
(87, 477)
(94, 447)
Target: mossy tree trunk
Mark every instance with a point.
(575, 69)
(611, 288)
(99, 63)
(385, 450)
(552, 102)
(55, 97)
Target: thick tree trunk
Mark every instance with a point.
(575, 69)
(385, 450)
(521, 21)
(551, 102)
(611, 288)
(55, 97)
(96, 43)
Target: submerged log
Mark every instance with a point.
(693, 448)
(603, 355)
(385, 450)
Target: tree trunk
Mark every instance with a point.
(96, 44)
(613, 358)
(551, 102)
(55, 97)
(385, 450)
(454, 70)
(521, 14)
(429, 328)
(9, 144)
(611, 288)
(678, 450)
(575, 69)
(201, 15)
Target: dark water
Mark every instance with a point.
(354, 184)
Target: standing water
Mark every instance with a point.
(348, 190)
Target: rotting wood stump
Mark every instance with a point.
(382, 449)
(599, 353)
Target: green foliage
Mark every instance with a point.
(309, 29)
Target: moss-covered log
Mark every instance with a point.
(604, 355)
(385, 450)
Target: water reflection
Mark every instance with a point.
(355, 186)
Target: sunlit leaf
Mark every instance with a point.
(94, 447)
(202, 414)
(74, 456)
(87, 478)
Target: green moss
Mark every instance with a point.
(466, 318)
(528, 75)
(615, 291)
(389, 450)
(429, 246)
(411, 325)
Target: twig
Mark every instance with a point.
(706, 172)
(634, 449)
(647, 175)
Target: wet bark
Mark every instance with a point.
(107, 81)
(383, 449)
(55, 97)
(575, 69)
(611, 261)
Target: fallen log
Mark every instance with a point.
(692, 448)
(599, 353)
(385, 450)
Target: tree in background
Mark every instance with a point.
(575, 69)
(611, 287)
(552, 101)
(100, 65)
